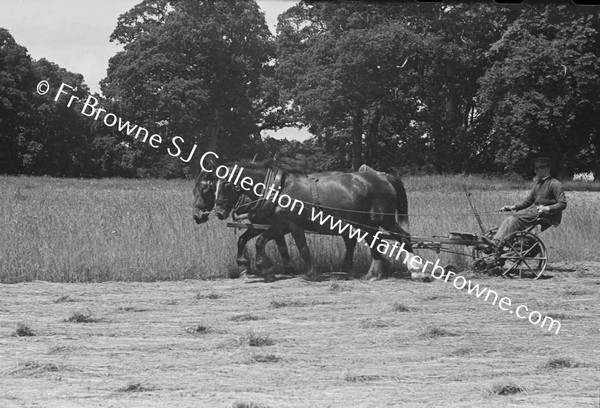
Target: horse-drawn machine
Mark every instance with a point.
(522, 254)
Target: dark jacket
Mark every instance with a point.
(547, 191)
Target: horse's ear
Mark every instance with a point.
(254, 158)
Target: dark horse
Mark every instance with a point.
(368, 199)
(204, 202)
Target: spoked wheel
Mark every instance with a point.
(522, 255)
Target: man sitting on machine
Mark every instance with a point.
(544, 204)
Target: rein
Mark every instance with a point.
(276, 177)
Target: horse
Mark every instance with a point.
(257, 211)
(367, 198)
(401, 197)
(204, 202)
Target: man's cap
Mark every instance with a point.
(543, 162)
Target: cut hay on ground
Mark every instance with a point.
(389, 343)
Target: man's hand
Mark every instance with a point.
(508, 208)
(543, 209)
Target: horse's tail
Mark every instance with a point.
(401, 201)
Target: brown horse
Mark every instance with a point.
(204, 202)
(366, 199)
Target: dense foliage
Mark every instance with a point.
(413, 87)
(38, 136)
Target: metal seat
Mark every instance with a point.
(542, 222)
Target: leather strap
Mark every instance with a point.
(275, 178)
(313, 189)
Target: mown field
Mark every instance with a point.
(293, 343)
(111, 297)
(66, 230)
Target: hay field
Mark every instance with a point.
(293, 343)
(116, 304)
(66, 230)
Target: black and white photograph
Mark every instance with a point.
(293, 203)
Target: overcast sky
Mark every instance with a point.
(75, 33)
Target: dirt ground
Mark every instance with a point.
(295, 343)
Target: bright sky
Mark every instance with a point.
(75, 33)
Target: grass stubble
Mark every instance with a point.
(351, 349)
(23, 330)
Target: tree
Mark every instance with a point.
(38, 135)
(541, 92)
(335, 63)
(16, 78)
(58, 139)
(462, 35)
(192, 69)
(390, 75)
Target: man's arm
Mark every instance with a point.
(559, 195)
(528, 201)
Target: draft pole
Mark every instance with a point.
(477, 217)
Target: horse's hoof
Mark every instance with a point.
(347, 269)
(252, 272)
(245, 272)
(288, 270)
(268, 278)
(420, 277)
(314, 277)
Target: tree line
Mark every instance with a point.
(408, 87)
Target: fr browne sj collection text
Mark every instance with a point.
(90, 109)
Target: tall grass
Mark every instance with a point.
(96, 230)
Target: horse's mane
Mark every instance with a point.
(287, 164)
(250, 164)
(292, 165)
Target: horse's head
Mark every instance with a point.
(204, 196)
(226, 196)
(247, 188)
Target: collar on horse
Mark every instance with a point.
(244, 206)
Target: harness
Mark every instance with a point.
(245, 205)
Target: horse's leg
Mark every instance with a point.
(349, 256)
(300, 238)
(243, 261)
(379, 260)
(378, 265)
(263, 263)
(285, 255)
(415, 273)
